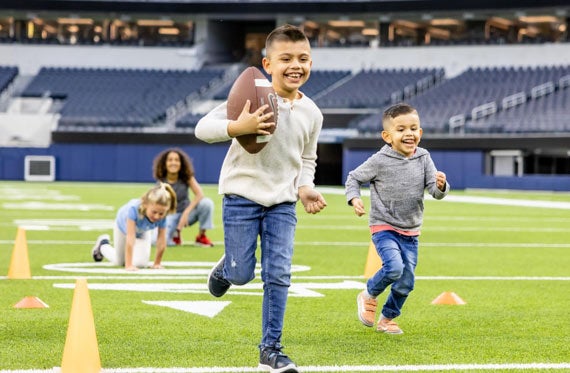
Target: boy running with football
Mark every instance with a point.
(398, 175)
(261, 190)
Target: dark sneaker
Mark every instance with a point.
(217, 284)
(275, 361)
(96, 251)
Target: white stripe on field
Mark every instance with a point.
(336, 277)
(341, 368)
(342, 227)
(343, 244)
(475, 199)
(432, 217)
(338, 243)
(364, 228)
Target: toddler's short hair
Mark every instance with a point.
(395, 111)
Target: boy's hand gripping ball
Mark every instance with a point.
(252, 85)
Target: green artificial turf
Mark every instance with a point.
(510, 264)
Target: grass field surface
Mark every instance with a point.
(506, 254)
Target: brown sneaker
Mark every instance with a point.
(366, 309)
(388, 326)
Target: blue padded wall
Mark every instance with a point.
(111, 162)
(466, 169)
(133, 163)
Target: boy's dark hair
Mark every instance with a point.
(285, 33)
(398, 109)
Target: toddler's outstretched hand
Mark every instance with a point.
(312, 200)
(440, 180)
(358, 206)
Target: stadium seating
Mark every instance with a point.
(319, 81)
(116, 97)
(375, 88)
(7, 76)
(501, 99)
(537, 114)
(479, 88)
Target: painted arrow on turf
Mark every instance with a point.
(203, 308)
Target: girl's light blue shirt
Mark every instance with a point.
(130, 211)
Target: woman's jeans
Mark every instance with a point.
(245, 221)
(202, 214)
(399, 254)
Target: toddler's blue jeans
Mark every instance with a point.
(399, 254)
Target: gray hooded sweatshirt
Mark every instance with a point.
(397, 187)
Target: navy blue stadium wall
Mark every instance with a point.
(133, 163)
(465, 169)
(110, 162)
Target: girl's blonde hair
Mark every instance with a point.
(162, 194)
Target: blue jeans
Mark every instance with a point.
(244, 221)
(399, 254)
(202, 213)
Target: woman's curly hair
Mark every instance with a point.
(186, 168)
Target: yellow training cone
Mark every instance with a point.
(81, 352)
(20, 263)
(373, 261)
(448, 297)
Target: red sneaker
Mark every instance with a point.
(177, 239)
(202, 240)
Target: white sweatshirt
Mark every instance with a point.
(287, 162)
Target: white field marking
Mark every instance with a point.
(200, 270)
(56, 206)
(131, 276)
(343, 218)
(305, 290)
(65, 224)
(360, 244)
(335, 368)
(511, 219)
(475, 199)
(27, 194)
(359, 227)
(171, 268)
(297, 289)
(89, 225)
(204, 308)
(507, 202)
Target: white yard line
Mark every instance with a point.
(476, 199)
(89, 243)
(342, 368)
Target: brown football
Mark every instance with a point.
(252, 85)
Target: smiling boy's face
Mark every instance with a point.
(289, 64)
(403, 133)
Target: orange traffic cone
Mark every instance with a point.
(31, 302)
(81, 352)
(20, 263)
(448, 297)
(373, 261)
